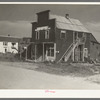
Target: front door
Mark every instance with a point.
(50, 52)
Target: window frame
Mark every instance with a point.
(62, 32)
(37, 35)
(93, 43)
(47, 34)
(50, 50)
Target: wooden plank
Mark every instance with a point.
(35, 51)
(43, 51)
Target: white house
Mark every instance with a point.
(9, 44)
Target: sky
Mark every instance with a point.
(15, 19)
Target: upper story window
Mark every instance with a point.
(5, 43)
(63, 34)
(43, 30)
(37, 35)
(47, 34)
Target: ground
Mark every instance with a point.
(25, 75)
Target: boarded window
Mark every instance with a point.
(63, 34)
(47, 34)
(37, 35)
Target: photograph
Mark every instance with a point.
(50, 46)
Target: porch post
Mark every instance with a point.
(20, 53)
(77, 53)
(43, 51)
(73, 55)
(35, 51)
(73, 44)
(31, 50)
(26, 53)
(83, 54)
(54, 50)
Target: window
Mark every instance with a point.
(51, 52)
(37, 35)
(5, 43)
(63, 35)
(47, 34)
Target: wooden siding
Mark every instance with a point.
(42, 17)
(87, 43)
(95, 50)
(63, 44)
(93, 38)
(93, 46)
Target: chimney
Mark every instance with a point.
(67, 16)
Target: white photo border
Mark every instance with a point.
(32, 93)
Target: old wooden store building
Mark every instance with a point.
(61, 38)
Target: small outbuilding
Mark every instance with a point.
(9, 44)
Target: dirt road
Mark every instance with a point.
(12, 77)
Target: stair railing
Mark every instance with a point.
(73, 45)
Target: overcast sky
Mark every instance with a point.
(16, 19)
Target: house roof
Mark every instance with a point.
(9, 39)
(69, 23)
